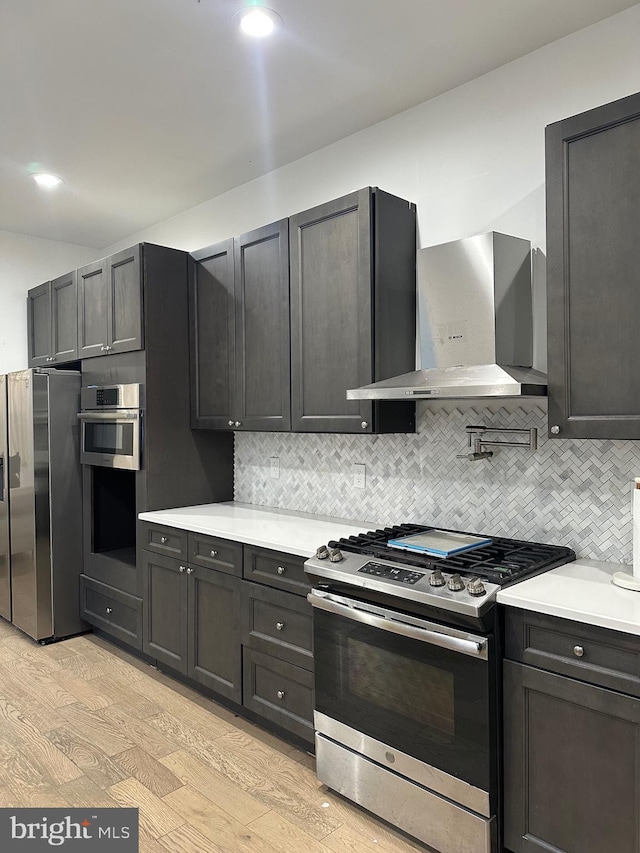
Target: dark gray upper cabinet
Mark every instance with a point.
(212, 339)
(352, 311)
(593, 210)
(110, 305)
(239, 303)
(52, 321)
(262, 361)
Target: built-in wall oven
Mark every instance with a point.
(111, 419)
(407, 656)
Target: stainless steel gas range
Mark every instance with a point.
(408, 651)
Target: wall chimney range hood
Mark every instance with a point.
(475, 324)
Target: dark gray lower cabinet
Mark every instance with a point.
(279, 691)
(192, 622)
(231, 617)
(112, 610)
(572, 749)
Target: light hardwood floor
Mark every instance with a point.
(84, 724)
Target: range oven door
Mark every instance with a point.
(419, 688)
(111, 439)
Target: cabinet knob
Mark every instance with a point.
(103, 348)
(238, 423)
(364, 424)
(555, 430)
(163, 540)
(280, 570)
(108, 348)
(109, 609)
(279, 626)
(280, 694)
(189, 570)
(181, 569)
(214, 553)
(230, 423)
(578, 651)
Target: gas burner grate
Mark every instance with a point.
(501, 562)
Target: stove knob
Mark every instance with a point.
(436, 578)
(476, 587)
(335, 555)
(455, 583)
(322, 553)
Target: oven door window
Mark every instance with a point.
(429, 702)
(109, 437)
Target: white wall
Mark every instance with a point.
(24, 263)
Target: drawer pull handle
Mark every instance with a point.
(280, 694)
(109, 609)
(214, 553)
(163, 540)
(280, 570)
(279, 626)
(578, 651)
(181, 569)
(189, 571)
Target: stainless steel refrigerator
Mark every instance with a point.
(39, 579)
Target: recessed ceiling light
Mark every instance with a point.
(44, 179)
(258, 22)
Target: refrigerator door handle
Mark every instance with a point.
(1, 478)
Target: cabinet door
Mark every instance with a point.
(214, 631)
(125, 300)
(572, 765)
(331, 315)
(93, 305)
(39, 325)
(593, 209)
(262, 378)
(165, 610)
(64, 318)
(211, 320)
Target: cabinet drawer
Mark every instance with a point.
(592, 654)
(215, 553)
(277, 623)
(279, 692)
(284, 571)
(112, 610)
(165, 540)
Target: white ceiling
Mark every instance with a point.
(149, 107)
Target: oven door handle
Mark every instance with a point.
(476, 647)
(121, 415)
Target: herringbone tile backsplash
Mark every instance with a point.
(575, 493)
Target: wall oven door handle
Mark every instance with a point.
(120, 415)
(473, 646)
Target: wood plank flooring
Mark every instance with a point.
(82, 723)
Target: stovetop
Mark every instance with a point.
(465, 583)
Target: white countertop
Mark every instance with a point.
(582, 591)
(279, 529)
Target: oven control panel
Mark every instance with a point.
(382, 571)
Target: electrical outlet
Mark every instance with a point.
(275, 467)
(359, 475)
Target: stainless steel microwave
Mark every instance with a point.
(111, 426)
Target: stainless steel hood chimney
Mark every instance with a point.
(475, 324)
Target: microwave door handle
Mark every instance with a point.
(474, 648)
